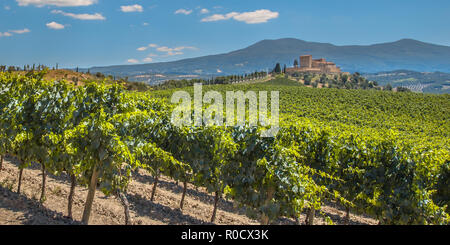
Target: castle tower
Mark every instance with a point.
(317, 66)
(306, 61)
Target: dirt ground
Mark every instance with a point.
(25, 208)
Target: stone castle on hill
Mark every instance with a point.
(307, 64)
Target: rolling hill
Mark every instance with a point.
(427, 82)
(403, 54)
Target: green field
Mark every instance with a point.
(420, 117)
(383, 154)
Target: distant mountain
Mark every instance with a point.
(427, 82)
(403, 54)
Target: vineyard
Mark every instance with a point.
(377, 153)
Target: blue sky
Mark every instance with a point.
(87, 33)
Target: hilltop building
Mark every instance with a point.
(307, 64)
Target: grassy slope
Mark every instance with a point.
(79, 79)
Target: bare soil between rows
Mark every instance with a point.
(25, 208)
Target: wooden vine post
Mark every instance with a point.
(126, 206)
(264, 218)
(44, 177)
(310, 216)
(184, 194)
(216, 202)
(155, 185)
(20, 180)
(90, 196)
(347, 215)
(73, 181)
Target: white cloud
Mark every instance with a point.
(11, 33)
(95, 16)
(204, 11)
(132, 8)
(148, 59)
(166, 50)
(7, 8)
(255, 17)
(172, 53)
(217, 17)
(59, 3)
(55, 26)
(145, 24)
(183, 11)
(186, 47)
(5, 34)
(26, 30)
(133, 61)
(258, 16)
(146, 47)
